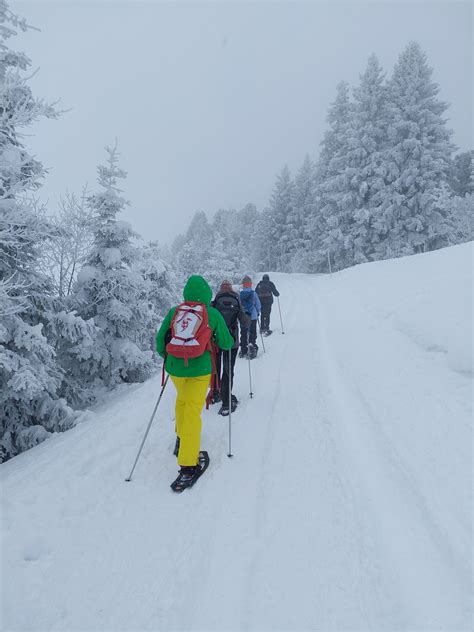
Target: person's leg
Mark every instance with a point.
(232, 361)
(269, 308)
(262, 318)
(266, 308)
(225, 380)
(244, 337)
(180, 403)
(194, 392)
(253, 332)
(216, 387)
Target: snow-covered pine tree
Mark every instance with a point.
(333, 199)
(365, 181)
(153, 265)
(279, 228)
(461, 176)
(262, 251)
(194, 256)
(461, 213)
(110, 291)
(304, 210)
(161, 287)
(417, 161)
(221, 266)
(242, 244)
(30, 407)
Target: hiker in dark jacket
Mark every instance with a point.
(266, 290)
(227, 302)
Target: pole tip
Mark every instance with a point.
(230, 456)
(127, 480)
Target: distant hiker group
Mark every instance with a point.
(199, 341)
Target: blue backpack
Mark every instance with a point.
(247, 300)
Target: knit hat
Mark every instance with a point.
(247, 281)
(226, 286)
(266, 277)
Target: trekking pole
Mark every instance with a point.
(261, 335)
(279, 309)
(250, 377)
(148, 429)
(229, 453)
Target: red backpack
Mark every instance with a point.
(190, 332)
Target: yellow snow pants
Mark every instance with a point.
(190, 400)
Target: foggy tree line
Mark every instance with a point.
(386, 183)
(81, 295)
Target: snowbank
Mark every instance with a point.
(427, 297)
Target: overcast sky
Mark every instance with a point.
(210, 100)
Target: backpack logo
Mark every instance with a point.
(190, 332)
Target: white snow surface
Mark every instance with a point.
(346, 506)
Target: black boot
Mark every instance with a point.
(189, 474)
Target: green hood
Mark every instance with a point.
(197, 290)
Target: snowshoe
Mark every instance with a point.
(224, 411)
(268, 332)
(188, 475)
(242, 353)
(176, 447)
(253, 350)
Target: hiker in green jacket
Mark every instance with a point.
(191, 378)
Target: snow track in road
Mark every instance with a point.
(346, 504)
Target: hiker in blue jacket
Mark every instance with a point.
(252, 307)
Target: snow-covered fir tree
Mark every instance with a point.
(194, 250)
(161, 287)
(110, 291)
(304, 211)
(364, 179)
(30, 406)
(241, 246)
(221, 266)
(263, 256)
(153, 265)
(332, 198)
(279, 222)
(410, 217)
(461, 176)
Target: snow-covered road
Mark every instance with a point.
(347, 504)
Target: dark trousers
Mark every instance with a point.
(248, 335)
(265, 316)
(222, 362)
